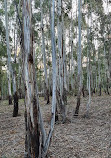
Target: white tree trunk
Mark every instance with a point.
(32, 113)
(72, 60)
(88, 70)
(44, 53)
(61, 59)
(79, 58)
(44, 152)
(8, 54)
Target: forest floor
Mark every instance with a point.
(78, 138)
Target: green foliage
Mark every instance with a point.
(2, 30)
(3, 50)
(1, 12)
(36, 17)
(12, 10)
(37, 4)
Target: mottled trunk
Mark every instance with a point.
(44, 54)
(72, 60)
(31, 100)
(8, 54)
(88, 70)
(61, 61)
(44, 152)
(20, 78)
(79, 59)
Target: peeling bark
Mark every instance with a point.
(79, 59)
(32, 140)
(61, 62)
(44, 55)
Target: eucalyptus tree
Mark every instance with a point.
(79, 59)
(15, 94)
(3, 56)
(32, 115)
(44, 53)
(72, 58)
(88, 66)
(52, 24)
(33, 119)
(8, 54)
(61, 88)
(10, 69)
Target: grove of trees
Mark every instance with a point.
(54, 49)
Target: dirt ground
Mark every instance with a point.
(78, 138)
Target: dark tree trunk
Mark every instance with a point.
(15, 111)
(20, 93)
(48, 101)
(94, 91)
(78, 105)
(107, 89)
(100, 90)
(65, 96)
(26, 141)
(107, 86)
(83, 91)
(10, 100)
(50, 91)
(46, 94)
(60, 102)
(32, 141)
(56, 115)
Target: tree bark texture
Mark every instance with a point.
(15, 94)
(44, 54)
(31, 115)
(61, 62)
(79, 59)
(8, 54)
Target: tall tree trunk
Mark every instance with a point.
(88, 69)
(99, 75)
(15, 94)
(20, 83)
(72, 60)
(10, 70)
(109, 65)
(44, 152)
(44, 54)
(8, 54)
(31, 100)
(79, 59)
(61, 61)
(89, 81)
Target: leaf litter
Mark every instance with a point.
(78, 138)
